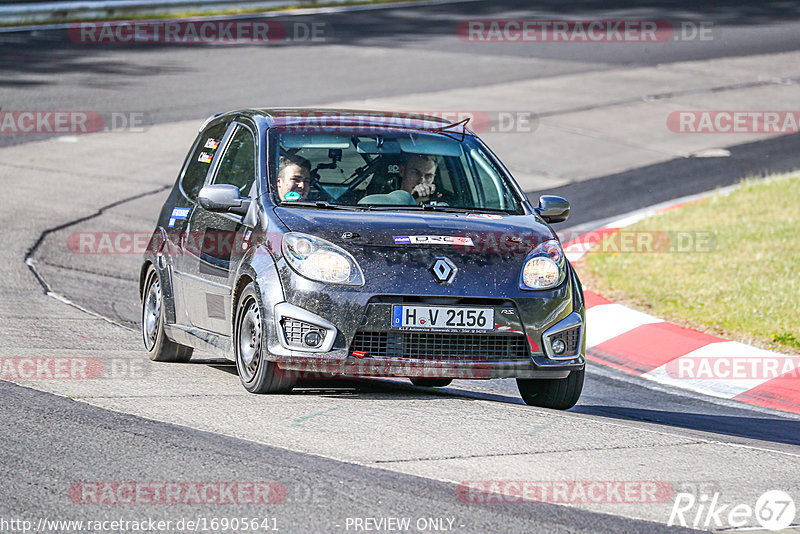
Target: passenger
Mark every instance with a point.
(294, 178)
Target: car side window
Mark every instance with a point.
(200, 160)
(237, 166)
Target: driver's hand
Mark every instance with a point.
(423, 190)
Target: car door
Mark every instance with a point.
(219, 236)
(196, 170)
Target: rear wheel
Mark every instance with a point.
(258, 375)
(159, 347)
(431, 382)
(560, 394)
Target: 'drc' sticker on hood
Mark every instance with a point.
(433, 240)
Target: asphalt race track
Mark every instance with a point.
(358, 449)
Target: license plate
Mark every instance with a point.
(443, 318)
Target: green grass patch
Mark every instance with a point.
(744, 286)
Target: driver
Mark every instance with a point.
(417, 173)
(294, 178)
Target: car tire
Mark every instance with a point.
(560, 394)
(159, 347)
(431, 382)
(258, 375)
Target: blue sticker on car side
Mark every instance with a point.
(178, 214)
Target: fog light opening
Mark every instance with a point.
(313, 339)
(301, 334)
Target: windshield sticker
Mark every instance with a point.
(205, 157)
(178, 213)
(433, 240)
(292, 195)
(211, 143)
(484, 216)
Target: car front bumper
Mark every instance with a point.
(356, 337)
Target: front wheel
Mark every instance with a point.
(258, 375)
(559, 394)
(431, 382)
(159, 347)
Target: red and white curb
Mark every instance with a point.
(647, 346)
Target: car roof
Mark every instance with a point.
(342, 118)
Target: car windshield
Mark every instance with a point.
(389, 171)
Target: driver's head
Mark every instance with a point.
(417, 169)
(294, 176)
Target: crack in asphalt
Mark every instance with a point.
(119, 318)
(31, 262)
(529, 453)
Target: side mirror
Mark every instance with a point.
(223, 198)
(553, 209)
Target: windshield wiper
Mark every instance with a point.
(322, 204)
(452, 209)
(389, 207)
(433, 207)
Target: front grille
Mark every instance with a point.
(570, 338)
(295, 331)
(441, 347)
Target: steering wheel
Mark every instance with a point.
(314, 176)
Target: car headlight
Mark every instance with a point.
(544, 267)
(321, 260)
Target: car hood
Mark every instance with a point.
(489, 233)
(393, 264)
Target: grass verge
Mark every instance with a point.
(740, 279)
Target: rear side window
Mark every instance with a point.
(238, 164)
(200, 160)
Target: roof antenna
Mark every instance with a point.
(448, 130)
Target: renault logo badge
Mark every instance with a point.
(443, 270)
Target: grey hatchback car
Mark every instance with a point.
(298, 242)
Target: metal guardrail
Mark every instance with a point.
(38, 11)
